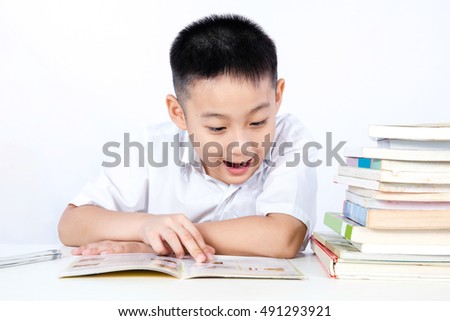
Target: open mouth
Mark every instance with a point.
(238, 165)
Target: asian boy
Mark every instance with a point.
(241, 191)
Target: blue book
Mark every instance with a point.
(399, 166)
(355, 212)
(397, 218)
(362, 162)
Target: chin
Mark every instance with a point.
(236, 180)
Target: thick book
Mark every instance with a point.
(185, 268)
(344, 249)
(399, 154)
(395, 176)
(413, 144)
(352, 231)
(369, 202)
(400, 196)
(362, 269)
(412, 249)
(397, 219)
(392, 187)
(398, 165)
(425, 132)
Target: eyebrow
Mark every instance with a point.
(217, 115)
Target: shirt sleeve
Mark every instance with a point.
(290, 186)
(119, 188)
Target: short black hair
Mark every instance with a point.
(222, 45)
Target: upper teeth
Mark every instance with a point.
(235, 164)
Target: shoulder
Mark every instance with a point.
(289, 129)
(291, 140)
(162, 132)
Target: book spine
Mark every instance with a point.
(376, 164)
(333, 221)
(352, 161)
(355, 212)
(324, 257)
(324, 248)
(406, 154)
(364, 162)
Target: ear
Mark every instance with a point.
(279, 92)
(176, 113)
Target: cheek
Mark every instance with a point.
(212, 150)
(263, 137)
(209, 147)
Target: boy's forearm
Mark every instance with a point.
(275, 235)
(87, 224)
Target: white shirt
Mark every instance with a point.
(181, 187)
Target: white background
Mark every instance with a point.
(76, 74)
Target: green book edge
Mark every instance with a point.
(333, 221)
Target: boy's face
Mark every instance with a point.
(232, 121)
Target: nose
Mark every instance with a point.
(239, 142)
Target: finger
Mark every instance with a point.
(139, 247)
(159, 247)
(211, 252)
(211, 249)
(81, 250)
(197, 237)
(207, 250)
(84, 247)
(127, 247)
(174, 243)
(91, 251)
(76, 251)
(190, 242)
(98, 247)
(117, 249)
(130, 247)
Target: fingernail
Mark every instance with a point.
(210, 257)
(103, 252)
(200, 258)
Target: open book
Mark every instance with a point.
(186, 268)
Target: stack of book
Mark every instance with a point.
(395, 221)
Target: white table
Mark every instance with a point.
(40, 282)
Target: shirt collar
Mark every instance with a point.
(189, 157)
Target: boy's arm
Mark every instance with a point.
(165, 234)
(274, 235)
(88, 224)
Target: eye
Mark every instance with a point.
(216, 129)
(258, 123)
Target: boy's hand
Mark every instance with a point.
(173, 233)
(112, 247)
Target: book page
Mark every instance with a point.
(86, 265)
(428, 125)
(241, 267)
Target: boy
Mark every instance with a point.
(241, 192)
